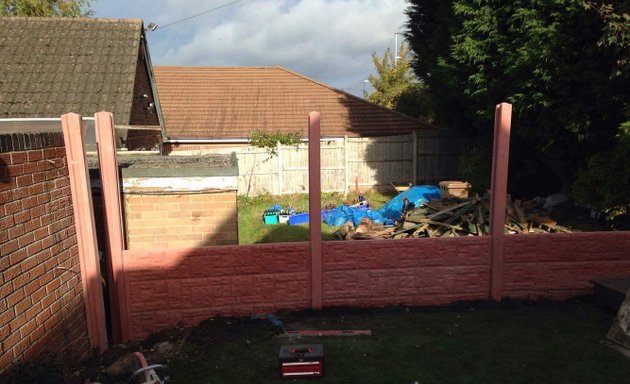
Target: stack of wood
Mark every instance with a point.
(454, 217)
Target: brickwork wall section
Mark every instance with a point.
(415, 272)
(166, 287)
(41, 302)
(189, 285)
(561, 265)
(180, 220)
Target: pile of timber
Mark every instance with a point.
(454, 217)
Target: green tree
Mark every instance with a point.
(394, 77)
(603, 184)
(66, 8)
(544, 58)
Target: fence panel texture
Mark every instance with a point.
(189, 285)
(370, 162)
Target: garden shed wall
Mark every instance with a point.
(180, 220)
(179, 202)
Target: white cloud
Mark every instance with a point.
(328, 40)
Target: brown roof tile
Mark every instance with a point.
(219, 102)
(50, 66)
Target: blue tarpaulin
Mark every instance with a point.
(389, 213)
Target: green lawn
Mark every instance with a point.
(252, 229)
(466, 343)
(484, 343)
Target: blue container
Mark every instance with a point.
(299, 218)
(302, 218)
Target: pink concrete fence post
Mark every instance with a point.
(314, 209)
(73, 133)
(498, 191)
(112, 213)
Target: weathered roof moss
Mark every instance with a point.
(52, 65)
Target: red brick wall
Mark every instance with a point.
(188, 285)
(166, 287)
(41, 304)
(180, 220)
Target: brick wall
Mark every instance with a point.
(167, 287)
(41, 303)
(180, 220)
(561, 265)
(415, 272)
(188, 285)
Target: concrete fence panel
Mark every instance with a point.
(188, 285)
(167, 287)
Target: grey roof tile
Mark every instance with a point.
(50, 66)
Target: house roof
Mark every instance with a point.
(50, 66)
(220, 102)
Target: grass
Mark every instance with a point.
(467, 343)
(252, 229)
(483, 343)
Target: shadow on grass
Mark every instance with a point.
(517, 342)
(282, 233)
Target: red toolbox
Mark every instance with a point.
(301, 360)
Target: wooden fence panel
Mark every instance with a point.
(374, 161)
(378, 161)
(438, 157)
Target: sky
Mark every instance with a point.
(330, 41)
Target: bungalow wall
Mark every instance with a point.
(41, 301)
(187, 205)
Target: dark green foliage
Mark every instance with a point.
(66, 8)
(544, 57)
(603, 183)
(415, 102)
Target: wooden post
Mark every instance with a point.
(279, 168)
(346, 171)
(112, 214)
(498, 191)
(73, 133)
(314, 209)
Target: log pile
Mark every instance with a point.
(454, 217)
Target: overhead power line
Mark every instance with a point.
(198, 14)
